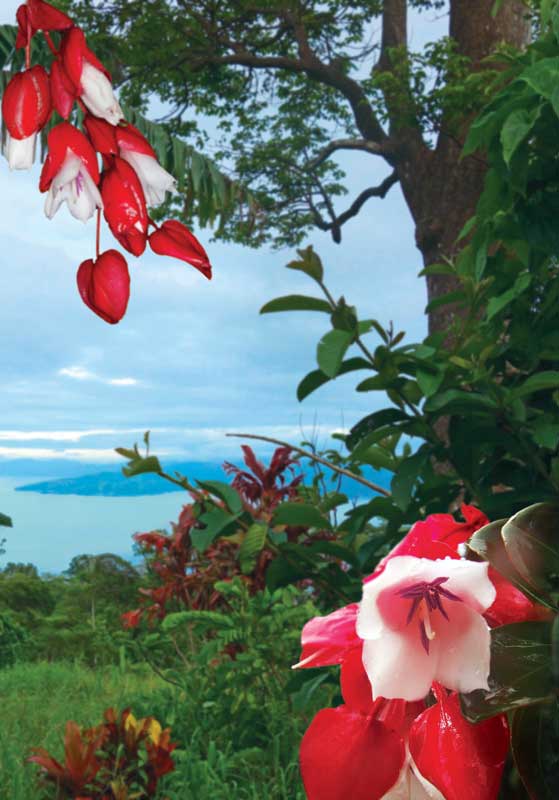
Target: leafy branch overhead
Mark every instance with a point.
(205, 192)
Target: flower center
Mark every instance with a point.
(426, 598)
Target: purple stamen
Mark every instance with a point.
(431, 595)
(79, 183)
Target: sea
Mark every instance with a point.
(50, 529)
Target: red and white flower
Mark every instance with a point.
(92, 82)
(70, 173)
(26, 108)
(137, 151)
(421, 621)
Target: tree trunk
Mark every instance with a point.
(442, 191)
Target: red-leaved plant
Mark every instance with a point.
(119, 759)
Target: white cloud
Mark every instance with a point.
(123, 382)
(79, 373)
(88, 456)
(62, 436)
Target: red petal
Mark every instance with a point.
(511, 605)
(45, 17)
(348, 755)
(125, 206)
(104, 285)
(355, 685)
(328, 640)
(174, 239)
(26, 104)
(130, 138)
(73, 52)
(62, 90)
(62, 138)
(102, 135)
(438, 536)
(464, 761)
(23, 31)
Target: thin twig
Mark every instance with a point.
(341, 470)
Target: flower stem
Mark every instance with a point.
(52, 46)
(98, 236)
(28, 46)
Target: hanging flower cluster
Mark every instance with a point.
(420, 634)
(131, 181)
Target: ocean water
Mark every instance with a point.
(49, 529)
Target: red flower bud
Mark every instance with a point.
(74, 52)
(125, 206)
(104, 285)
(174, 239)
(26, 104)
(62, 90)
(36, 15)
(102, 135)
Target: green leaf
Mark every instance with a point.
(457, 399)
(537, 383)
(254, 541)
(515, 129)
(331, 350)
(207, 619)
(489, 545)
(531, 540)
(300, 514)
(131, 455)
(429, 380)
(310, 264)
(372, 422)
(5, 521)
(296, 302)
(139, 466)
(405, 479)
(535, 748)
(344, 317)
(317, 378)
(543, 76)
(217, 522)
(499, 302)
(520, 671)
(332, 500)
(225, 492)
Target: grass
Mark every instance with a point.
(38, 699)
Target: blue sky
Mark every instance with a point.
(192, 359)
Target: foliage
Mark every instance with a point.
(14, 639)
(263, 526)
(119, 759)
(287, 87)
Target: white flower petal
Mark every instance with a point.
(155, 180)
(20, 153)
(398, 666)
(463, 646)
(98, 95)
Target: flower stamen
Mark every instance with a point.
(426, 599)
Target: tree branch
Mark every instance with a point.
(347, 144)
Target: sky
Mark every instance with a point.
(192, 359)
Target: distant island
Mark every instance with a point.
(115, 484)
(112, 483)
